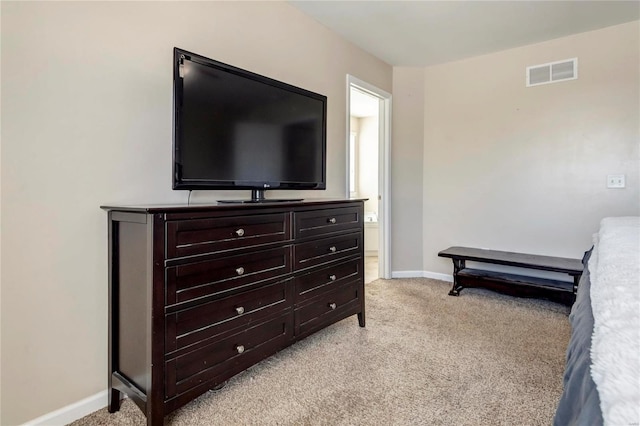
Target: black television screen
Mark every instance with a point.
(234, 129)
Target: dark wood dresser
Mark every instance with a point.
(198, 294)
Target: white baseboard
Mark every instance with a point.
(438, 276)
(422, 274)
(72, 412)
(406, 274)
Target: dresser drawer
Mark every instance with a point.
(327, 221)
(325, 250)
(212, 277)
(195, 325)
(328, 308)
(226, 357)
(198, 236)
(318, 281)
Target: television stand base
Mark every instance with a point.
(257, 196)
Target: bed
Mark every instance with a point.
(602, 375)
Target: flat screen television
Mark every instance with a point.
(234, 129)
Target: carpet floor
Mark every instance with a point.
(424, 358)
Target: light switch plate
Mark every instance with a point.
(615, 181)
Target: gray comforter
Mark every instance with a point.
(580, 403)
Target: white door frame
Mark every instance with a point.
(384, 187)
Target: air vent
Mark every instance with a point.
(553, 72)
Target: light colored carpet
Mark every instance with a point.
(370, 269)
(424, 358)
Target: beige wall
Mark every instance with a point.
(524, 169)
(86, 120)
(407, 170)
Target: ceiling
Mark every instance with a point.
(422, 33)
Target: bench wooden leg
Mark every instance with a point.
(576, 281)
(458, 265)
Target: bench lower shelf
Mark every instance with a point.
(516, 285)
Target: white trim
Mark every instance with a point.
(356, 162)
(72, 412)
(423, 274)
(406, 274)
(438, 276)
(347, 189)
(385, 184)
(384, 172)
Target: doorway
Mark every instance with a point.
(368, 134)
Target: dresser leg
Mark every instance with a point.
(155, 418)
(114, 400)
(361, 320)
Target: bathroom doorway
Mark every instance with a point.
(368, 143)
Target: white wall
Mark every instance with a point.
(513, 168)
(86, 120)
(368, 162)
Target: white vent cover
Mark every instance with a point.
(552, 72)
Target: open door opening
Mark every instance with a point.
(368, 133)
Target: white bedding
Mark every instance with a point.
(615, 294)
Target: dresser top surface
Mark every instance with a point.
(268, 204)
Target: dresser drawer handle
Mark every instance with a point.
(332, 220)
(332, 277)
(240, 310)
(240, 270)
(240, 232)
(332, 306)
(332, 249)
(240, 349)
